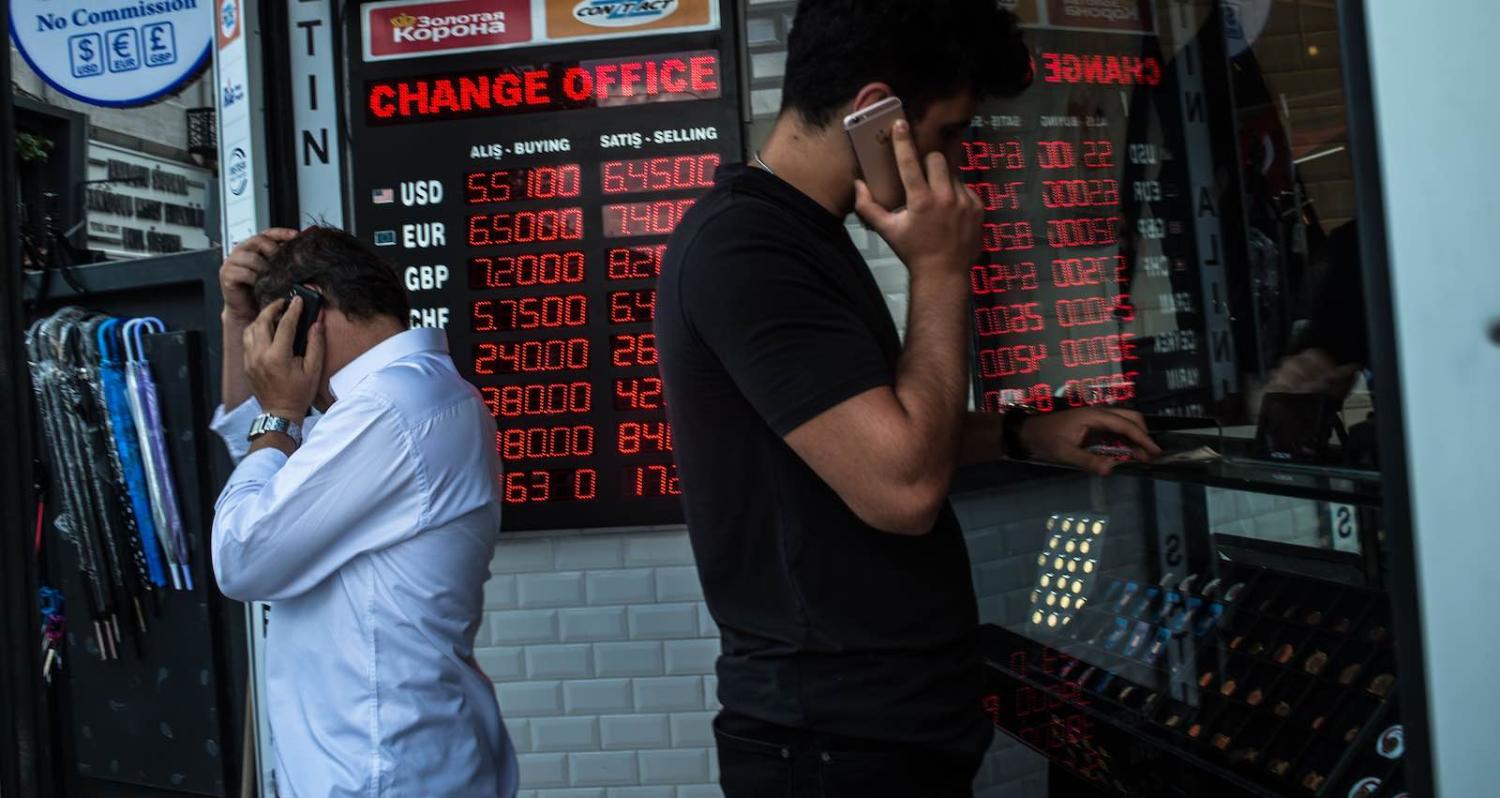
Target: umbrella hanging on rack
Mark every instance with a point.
(145, 408)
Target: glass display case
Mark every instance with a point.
(1172, 228)
(1158, 636)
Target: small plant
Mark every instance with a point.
(31, 148)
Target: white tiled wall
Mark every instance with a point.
(602, 654)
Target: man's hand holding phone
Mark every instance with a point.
(938, 232)
(286, 385)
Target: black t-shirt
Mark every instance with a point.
(767, 317)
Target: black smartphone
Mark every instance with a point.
(312, 305)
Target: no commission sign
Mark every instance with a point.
(114, 52)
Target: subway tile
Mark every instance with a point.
(565, 734)
(693, 730)
(630, 586)
(640, 658)
(559, 662)
(691, 657)
(550, 590)
(678, 583)
(589, 552)
(529, 699)
(662, 548)
(543, 770)
(603, 768)
(688, 766)
(511, 627)
(668, 693)
(593, 624)
(597, 697)
(635, 732)
(663, 621)
(522, 556)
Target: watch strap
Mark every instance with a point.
(1015, 419)
(267, 423)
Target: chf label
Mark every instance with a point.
(436, 318)
(421, 192)
(426, 278)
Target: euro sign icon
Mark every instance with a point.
(122, 46)
(86, 50)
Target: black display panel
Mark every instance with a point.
(527, 196)
(1097, 246)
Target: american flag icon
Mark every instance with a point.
(383, 196)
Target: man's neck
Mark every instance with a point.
(818, 162)
(355, 341)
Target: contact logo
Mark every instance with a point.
(623, 13)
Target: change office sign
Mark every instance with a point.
(114, 52)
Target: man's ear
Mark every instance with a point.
(870, 94)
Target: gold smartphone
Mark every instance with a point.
(870, 132)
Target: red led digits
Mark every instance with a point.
(658, 218)
(635, 263)
(990, 156)
(1111, 390)
(543, 486)
(551, 399)
(667, 173)
(999, 196)
(1008, 237)
(1098, 350)
(1080, 193)
(520, 271)
(545, 443)
(1080, 272)
(525, 227)
(632, 307)
(564, 181)
(652, 481)
(1096, 154)
(530, 313)
(639, 393)
(1011, 361)
(644, 437)
(1099, 154)
(629, 351)
(1083, 233)
(1094, 310)
(531, 357)
(1038, 396)
(1002, 278)
(1008, 319)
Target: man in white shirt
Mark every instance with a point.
(372, 536)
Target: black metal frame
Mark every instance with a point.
(1375, 259)
(22, 741)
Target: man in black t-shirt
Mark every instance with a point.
(815, 449)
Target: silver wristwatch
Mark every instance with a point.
(265, 422)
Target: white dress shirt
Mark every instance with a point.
(373, 541)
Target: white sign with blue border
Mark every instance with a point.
(115, 53)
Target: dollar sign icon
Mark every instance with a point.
(86, 50)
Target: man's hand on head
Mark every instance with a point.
(284, 384)
(1064, 438)
(245, 264)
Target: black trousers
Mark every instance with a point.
(759, 760)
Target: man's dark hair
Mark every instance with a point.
(350, 274)
(927, 50)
